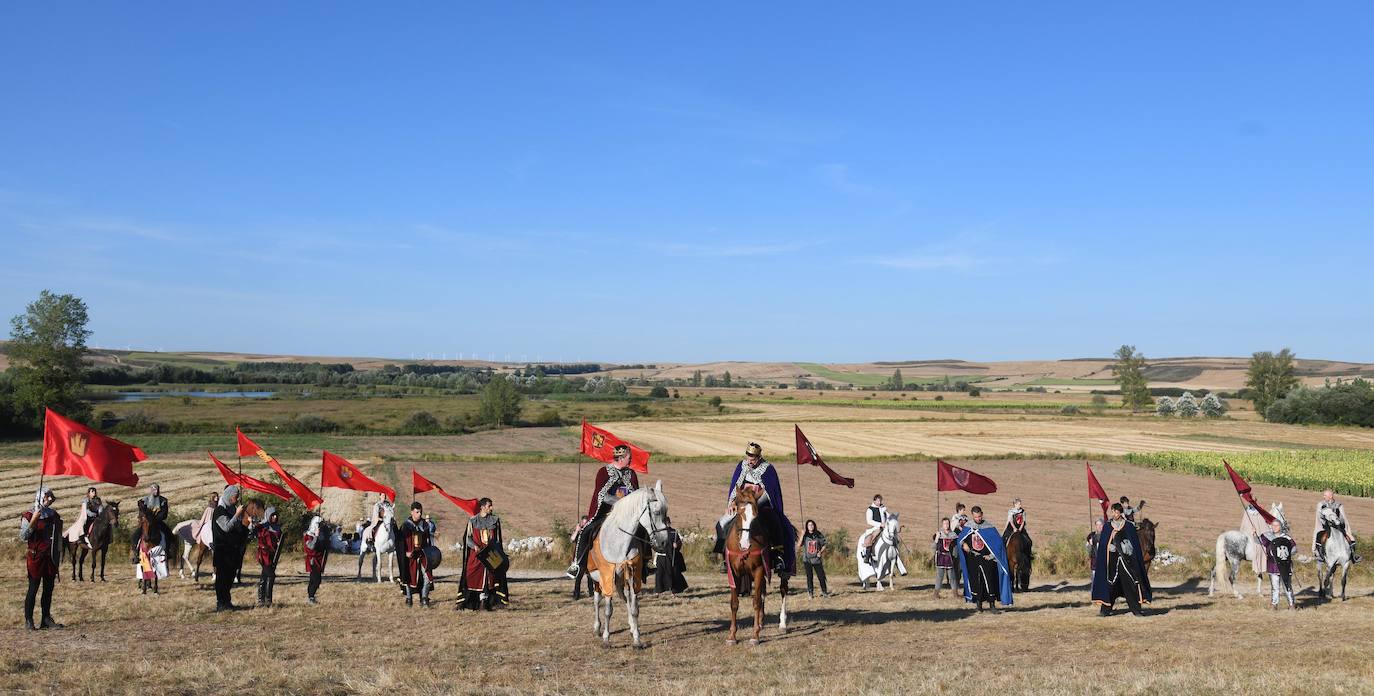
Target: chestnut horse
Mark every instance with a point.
(102, 533)
(152, 547)
(746, 547)
(1019, 559)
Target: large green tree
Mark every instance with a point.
(1270, 377)
(1130, 374)
(895, 383)
(500, 402)
(47, 350)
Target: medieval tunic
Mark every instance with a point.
(414, 537)
(42, 534)
(484, 561)
(944, 550)
(766, 477)
(1119, 571)
(316, 548)
(269, 550)
(984, 562)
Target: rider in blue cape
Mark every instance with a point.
(756, 470)
(1118, 570)
(983, 561)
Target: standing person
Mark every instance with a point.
(944, 549)
(40, 528)
(1328, 504)
(269, 550)
(957, 523)
(231, 537)
(613, 482)
(984, 560)
(813, 545)
(876, 518)
(315, 542)
(414, 537)
(1119, 571)
(1091, 543)
(670, 567)
(1278, 553)
(483, 581)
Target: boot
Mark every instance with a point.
(779, 559)
(49, 623)
(28, 623)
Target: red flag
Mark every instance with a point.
(953, 478)
(600, 444)
(422, 484)
(246, 481)
(338, 472)
(311, 499)
(1095, 491)
(1243, 489)
(72, 449)
(806, 454)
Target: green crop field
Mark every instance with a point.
(1346, 471)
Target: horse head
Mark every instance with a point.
(893, 529)
(111, 512)
(654, 518)
(1277, 511)
(747, 506)
(1146, 531)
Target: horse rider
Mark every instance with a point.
(876, 519)
(158, 508)
(269, 536)
(1016, 519)
(230, 539)
(613, 482)
(41, 529)
(1127, 510)
(1337, 520)
(85, 518)
(378, 514)
(414, 537)
(1119, 571)
(756, 471)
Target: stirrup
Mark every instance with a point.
(573, 571)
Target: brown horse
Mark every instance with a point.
(102, 533)
(1019, 559)
(746, 546)
(150, 536)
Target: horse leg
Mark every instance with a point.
(782, 613)
(596, 611)
(1235, 574)
(759, 589)
(632, 606)
(105, 551)
(610, 610)
(734, 611)
(1345, 571)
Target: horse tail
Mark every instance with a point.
(1220, 573)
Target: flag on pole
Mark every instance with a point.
(600, 444)
(1095, 491)
(1243, 490)
(806, 454)
(247, 447)
(234, 478)
(337, 472)
(72, 449)
(953, 478)
(422, 484)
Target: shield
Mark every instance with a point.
(434, 556)
(494, 559)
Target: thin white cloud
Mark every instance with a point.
(708, 250)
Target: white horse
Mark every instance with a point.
(619, 552)
(1233, 549)
(382, 543)
(886, 556)
(1337, 553)
(189, 542)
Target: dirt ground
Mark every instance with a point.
(362, 639)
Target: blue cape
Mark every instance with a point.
(1102, 591)
(774, 490)
(999, 551)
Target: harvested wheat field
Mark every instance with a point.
(362, 639)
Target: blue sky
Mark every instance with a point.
(789, 181)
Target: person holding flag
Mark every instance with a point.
(269, 550)
(1119, 572)
(983, 560)
(40, 528)
(613, 482)
(231, 537)
(1278, 554)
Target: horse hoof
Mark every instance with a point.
(753, 641)
(641, 646)
(731, 641)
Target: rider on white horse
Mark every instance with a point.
(876, 518)
(379, 509)
(613, 482)
(1331, 515)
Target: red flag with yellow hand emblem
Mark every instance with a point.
(600, 444)
(72, 449)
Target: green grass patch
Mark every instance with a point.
(1346, 471)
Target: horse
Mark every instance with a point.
(615, 564)
(102, 533)
(382, 543)
(154, 553)
(886, 556)
(1337, 552)
(201, 545)
(745, 549)
(1019, 559)
(1234, 548)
